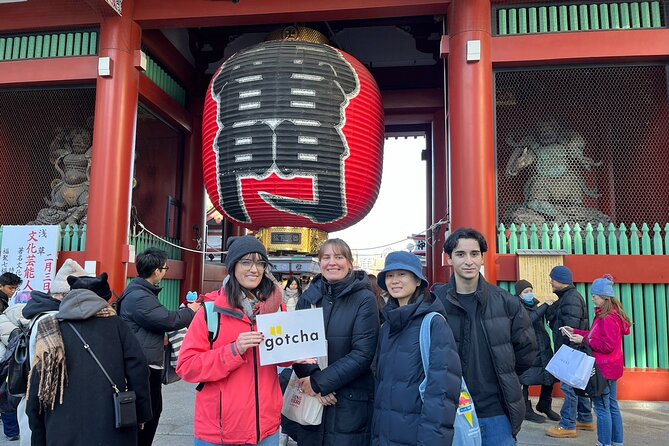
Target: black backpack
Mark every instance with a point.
(597, 384)
(18, 365)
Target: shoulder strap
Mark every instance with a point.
(89, 350)
(213, 319)
(424, 342)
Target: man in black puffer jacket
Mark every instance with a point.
(495, 338)
(570, 310)
(149, 320)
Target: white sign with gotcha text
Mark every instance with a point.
(292, 335)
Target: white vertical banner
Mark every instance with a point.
(31, 253)
(292, 335)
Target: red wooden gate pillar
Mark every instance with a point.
(471, 124)
(439, 203)
(192, 207)
(113, 149)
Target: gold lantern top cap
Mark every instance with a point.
(300, 33)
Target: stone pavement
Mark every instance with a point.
(646, 423)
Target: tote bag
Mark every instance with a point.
(571, 367)
(300, 407)
(466, 428)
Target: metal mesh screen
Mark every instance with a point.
(582, 144)
(45, 141)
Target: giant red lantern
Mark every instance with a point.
(293, 136)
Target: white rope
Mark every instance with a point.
(215, 251)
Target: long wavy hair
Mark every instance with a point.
(611, 303)
(235, 292)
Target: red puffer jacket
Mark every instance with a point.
(605, 337)
(241, 400)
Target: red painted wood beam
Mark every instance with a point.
(565, 48)
(163, 105)
(63, 70)
(47, 14)
(425, 100)
(169, 57)
(591, 47)
(586, 268)
(181, 14)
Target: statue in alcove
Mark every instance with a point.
(70, 154)
(556, 188)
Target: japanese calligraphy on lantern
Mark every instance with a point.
(293, 132)
(30, 252)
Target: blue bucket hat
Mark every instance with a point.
(401, 260)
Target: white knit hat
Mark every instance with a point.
(69, 268)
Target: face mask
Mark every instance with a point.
(528, 298)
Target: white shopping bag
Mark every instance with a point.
(571, 367)
(300, 407)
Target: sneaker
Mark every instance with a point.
(553, 416)
(585, 426)
(14, 438)
(561, 432)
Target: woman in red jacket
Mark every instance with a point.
(240, 402)
(605, 337)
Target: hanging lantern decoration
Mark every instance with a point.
(293, 136)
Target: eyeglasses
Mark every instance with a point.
(248, 264)
(164, 268)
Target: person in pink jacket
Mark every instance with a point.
(240, 401)
(605, 337)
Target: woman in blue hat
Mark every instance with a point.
(605, 338)
(400, 416)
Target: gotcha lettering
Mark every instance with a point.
(278, 341)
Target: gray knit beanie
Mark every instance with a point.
(238, 247)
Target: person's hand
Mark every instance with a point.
(248, 340)
(327, 400)
(304, 385)
(567, 331)
(306, 361)
(195, 306)
(549, 301)
(576, 339)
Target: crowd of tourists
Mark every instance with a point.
(405, 360)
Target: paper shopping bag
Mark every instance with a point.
(571, 367)
(300, 407)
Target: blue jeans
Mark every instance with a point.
(272, 440)
(574, 408)
(10, 424)
(496, 431)
(609, 419)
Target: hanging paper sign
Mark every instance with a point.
(30, 252)
(292, 335)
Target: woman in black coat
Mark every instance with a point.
(400, 416)
(346, 386)
(69, 400)
(537, 374)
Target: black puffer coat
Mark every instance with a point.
(537, 374)
(570, 310)
(513, 345)
(149, 319)
(86, 416)
(352, 330)
(399, 372)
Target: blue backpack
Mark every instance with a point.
(467, 431)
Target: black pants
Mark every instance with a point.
(545, 398)
(145, 436)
